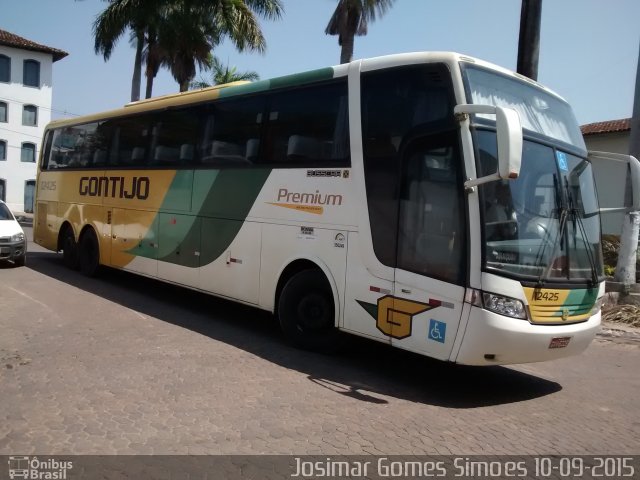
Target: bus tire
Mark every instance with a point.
(89, 253)
(306, 311)
(69, 249)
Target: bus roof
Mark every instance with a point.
(245, 87)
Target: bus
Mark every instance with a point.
(431, 201)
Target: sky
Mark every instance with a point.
(588, 50)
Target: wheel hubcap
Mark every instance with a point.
(312, 312)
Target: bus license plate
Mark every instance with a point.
(559, 342)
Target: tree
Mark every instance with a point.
(351, 18)
(194, 27)
(180, 34)
(221, 74)
(628, 253)
(153, 58)
(111, 24)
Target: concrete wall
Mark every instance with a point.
(13, 171)
(610, 177)
(616, 142)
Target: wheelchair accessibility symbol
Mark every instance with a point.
(437, 330)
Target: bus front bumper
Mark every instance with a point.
(492, 339)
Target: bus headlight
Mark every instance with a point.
(597, 306)
(507, 306)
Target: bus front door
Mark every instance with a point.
(430, 263)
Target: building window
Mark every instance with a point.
(31, 73)
(30, 115)
(5, 69)
(3, 150)
(4, 111)
(28, 153)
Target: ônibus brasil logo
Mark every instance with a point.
(33, 468)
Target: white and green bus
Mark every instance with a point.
(431, 201)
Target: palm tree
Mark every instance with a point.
(153, 57)
(222, 74)
(194, 27)
(351, 18)
(111, 24)
(180, 34)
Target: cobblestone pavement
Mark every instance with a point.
(123, 364)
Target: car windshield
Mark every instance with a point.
(5, 213)
(544, 225)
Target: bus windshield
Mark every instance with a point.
(539, 111)
(545, 225)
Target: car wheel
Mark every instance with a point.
(306, 311)
(69, 249)
(89, 253)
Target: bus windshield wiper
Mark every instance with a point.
(563, 214)
(577, 218)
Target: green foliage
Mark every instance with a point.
(610, 247)
(222, 74)
(180, 34)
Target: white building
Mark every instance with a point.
(25, 109)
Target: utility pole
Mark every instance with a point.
(627, 254)
(634, 139)
(529, 41)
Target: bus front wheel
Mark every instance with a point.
(306, 311)
(89, 253)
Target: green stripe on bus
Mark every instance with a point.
(301, 78)
(225, 217)
(215, 220)
(252, 87)
(279, 82)
(584, 297)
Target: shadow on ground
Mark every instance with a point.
(364, 370)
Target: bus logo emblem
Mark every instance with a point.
(394, 316)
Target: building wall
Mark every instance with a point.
(610, 177)
(15, 172)
(616, 142)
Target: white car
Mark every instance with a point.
(13, 243)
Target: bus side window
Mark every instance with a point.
(46, 155)
(231, 133)
(130, 141)
(174, 136)
(309, 126)
(84, 141)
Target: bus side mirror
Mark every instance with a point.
(509, 133)
(633, 171)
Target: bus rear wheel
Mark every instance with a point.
(89, 253)
(69, 249)
(306, 311)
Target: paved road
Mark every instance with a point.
(123, 364)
